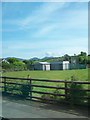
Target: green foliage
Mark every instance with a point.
(82, 57)
(29, 64)
(13, 64)
(22, 89)
(16, 64)
(26, 61)
(12, 60)
(11, 88)
(25, 89)
(66, 57)
(76, 92)
(6, 66)
(19, 66)
(57, 91)
(54, 97)
(88, 59)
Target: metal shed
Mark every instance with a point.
(56, 66)
(64, 65)
(42, 66)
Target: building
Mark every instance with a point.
(56, 66)
(51, 66)
(64, 65)
(74, 59)
(75, 63)
(42, 66)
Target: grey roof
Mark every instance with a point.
(59, 62)
(47, 63)
(56, 62)
(44, 63)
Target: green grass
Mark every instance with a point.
(81, 75)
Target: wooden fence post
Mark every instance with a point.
(71, 94)
(30, 89)
(5, 87)
(66, 91)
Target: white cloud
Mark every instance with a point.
(49, 54)
(66, 43)
(45, 30)
(77, 19)
(42, 14)
(38, 16)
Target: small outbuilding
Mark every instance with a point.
(42, 66)
(64, 65)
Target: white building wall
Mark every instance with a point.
(65, 65)
(47, 67)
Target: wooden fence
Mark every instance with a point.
(49, 90)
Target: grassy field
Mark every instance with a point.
(81, 75)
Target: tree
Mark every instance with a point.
(26, 61)
(5, 66)
(66, 57)
(12, 60)
(14, 64)
(82, 58)
(19, 65)
(29, 64)
(83, 53)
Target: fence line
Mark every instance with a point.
(7, 81)
(45, 80)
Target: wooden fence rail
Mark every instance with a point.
(22, 86)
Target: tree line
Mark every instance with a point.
(14, 64)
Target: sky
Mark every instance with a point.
(40, 29)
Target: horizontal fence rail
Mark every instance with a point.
(47, 90)
(44, 80)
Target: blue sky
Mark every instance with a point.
(39, 29)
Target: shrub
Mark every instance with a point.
(25, 89)
(47, 97)
(57, 91)
(76, 92)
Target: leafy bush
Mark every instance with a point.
(57, 91)
(48, 97)
(76, 92)
(74, 95)
(25, 89)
